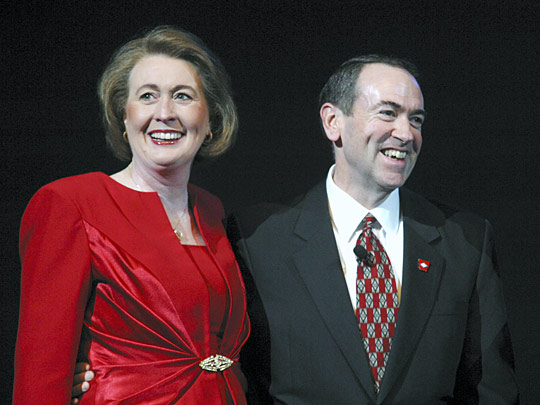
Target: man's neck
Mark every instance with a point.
(369, 197)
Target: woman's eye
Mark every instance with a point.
(146, 96)
(182, 96)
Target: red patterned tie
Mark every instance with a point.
(376, 300)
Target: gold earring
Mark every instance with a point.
(124, 135)
(209, 137)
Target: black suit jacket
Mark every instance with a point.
(451, 343)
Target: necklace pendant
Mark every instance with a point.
(178, 234)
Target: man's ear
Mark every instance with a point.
(331, 119)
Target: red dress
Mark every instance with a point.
(101, 258)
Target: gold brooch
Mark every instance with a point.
(216, 362)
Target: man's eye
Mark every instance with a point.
(388, 113)
(417, 121)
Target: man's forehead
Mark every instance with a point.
(379, 81)
(373, 71)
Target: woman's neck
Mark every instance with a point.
(171, 186)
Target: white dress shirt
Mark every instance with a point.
(347, 215)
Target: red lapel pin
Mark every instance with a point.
(423, 265)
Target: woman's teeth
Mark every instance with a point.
(166, 136)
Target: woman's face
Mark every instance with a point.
(166, 117)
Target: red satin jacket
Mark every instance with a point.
(102, 267)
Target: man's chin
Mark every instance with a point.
(390, 184)
(391, 181)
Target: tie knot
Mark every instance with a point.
(369, 220)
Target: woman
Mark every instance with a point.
(137, 265)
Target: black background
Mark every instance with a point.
(480, 79)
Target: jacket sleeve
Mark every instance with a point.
(486, 372)
(55, 283)
(255, 355)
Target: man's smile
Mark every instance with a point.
(395, 154)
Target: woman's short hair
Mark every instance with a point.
(113, 87)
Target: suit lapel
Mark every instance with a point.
(419, 290)
(320, 268)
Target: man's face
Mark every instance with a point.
(381, 139)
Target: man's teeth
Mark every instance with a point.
(166, 136)
(396, 154)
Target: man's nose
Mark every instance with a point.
(403, 130)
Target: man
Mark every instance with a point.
(315, 338)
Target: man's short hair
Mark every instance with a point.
(340, 89)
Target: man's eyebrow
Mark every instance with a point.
(419, 111)
(396, 106)
(387, 103)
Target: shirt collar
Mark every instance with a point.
(347, 213)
